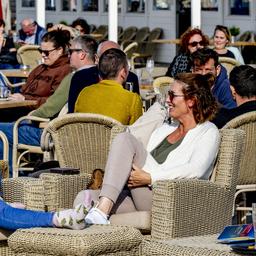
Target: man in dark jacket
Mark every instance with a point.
(206, 61)
(30, 32)
(243, 86)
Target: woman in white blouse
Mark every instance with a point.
(185, 148)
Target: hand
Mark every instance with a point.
(138, 177)
(17, 96)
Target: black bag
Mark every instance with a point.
(8, 58)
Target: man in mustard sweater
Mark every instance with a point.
(108, 97)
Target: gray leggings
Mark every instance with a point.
(125, 150)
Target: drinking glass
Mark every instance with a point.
(150, 67)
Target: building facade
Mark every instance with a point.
(173, 16)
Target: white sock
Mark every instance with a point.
(71, 218)
(96, 216)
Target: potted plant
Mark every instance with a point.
(234, 31)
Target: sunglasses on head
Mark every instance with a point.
(172, 95)
(46, 52)
(195, 43)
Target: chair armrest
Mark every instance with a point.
(61, 190)
(189, 208)
(29, 191)
(16, 85)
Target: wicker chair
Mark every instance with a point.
(247, 175)
(9, 84)
(228, 63)
(29, 55)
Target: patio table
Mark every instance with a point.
(6, 103)
(15, 73)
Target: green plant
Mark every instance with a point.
(234, 31)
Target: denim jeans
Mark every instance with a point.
(14, 218)
(28, 134)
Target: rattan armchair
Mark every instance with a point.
(247, 175)
(228, 63)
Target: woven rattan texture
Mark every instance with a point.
(94, 240)
(61, 190)
(5, 250)
(247, 122)
(28, 191)
(4, 170)
(192, 207)
(82, 140)
(191, 246)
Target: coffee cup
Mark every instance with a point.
(4, 92)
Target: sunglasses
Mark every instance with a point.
(194, 44)
(46, 52)
(70, 51)
(172, 95)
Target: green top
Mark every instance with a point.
(55, 102)
(161, 152)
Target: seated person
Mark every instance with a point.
(45, 78)
(81, 25)
(243, 87)
(221, 39)
(13, 218)
(84, 79)
(81, 61)
(30, 32)
(190, 41)
(185, 148)
(108, 97)
(206, 61)
(8, 52)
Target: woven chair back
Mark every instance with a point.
(29, 55)
(228, 63)
(128, 34)
(227, 163)
(246, 122)
(82, 140)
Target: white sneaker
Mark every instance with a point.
(96, 216)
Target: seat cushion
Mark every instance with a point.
(140, 219)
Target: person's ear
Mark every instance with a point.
(218, 69)
(233, 91)
(191, 103)
(123, 74)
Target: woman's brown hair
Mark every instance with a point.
(185, 37)
(198, 88)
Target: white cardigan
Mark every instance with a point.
(194, 158)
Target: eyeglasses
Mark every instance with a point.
(195, 43)
(172, 95)
(70, 51)
(46, 52)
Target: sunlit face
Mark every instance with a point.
(208, 67)
(75, 55)
(80, 29)
(178, 106)
(28, 29)
(49, 53)
(220, 40)
(195, 43)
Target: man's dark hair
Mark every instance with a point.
(202, 56)
(243, 79)
(111, 62)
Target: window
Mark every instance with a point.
(50, 5)
(69, 5)
(161, 4)
(119, 3)
(209, 5)
(90, 5)
(28, 3)
(239, 7)
(136, 6)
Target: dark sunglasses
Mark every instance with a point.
(70, 51)
(46, 52)
(194, 44)
(172, 95)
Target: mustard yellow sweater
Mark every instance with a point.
(109, 98)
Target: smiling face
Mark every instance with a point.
(49, 53)
(179, 107)
(220, 40)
